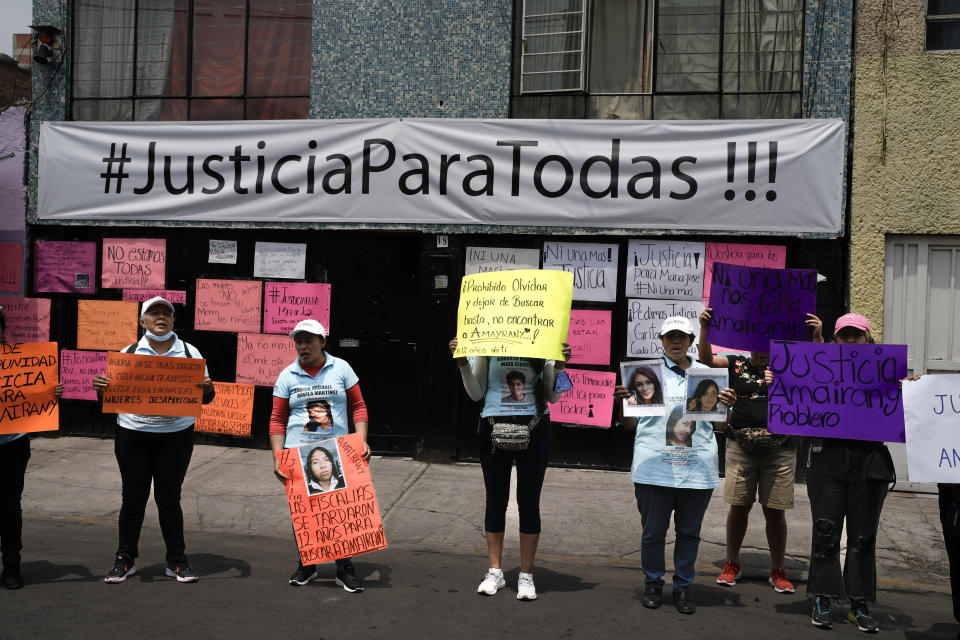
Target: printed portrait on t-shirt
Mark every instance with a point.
(518, 389)
(322, 471)
(680, 429)
(319, 417)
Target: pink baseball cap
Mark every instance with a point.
(854, 320)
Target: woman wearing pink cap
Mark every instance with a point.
(846, 479)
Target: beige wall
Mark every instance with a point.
(915, 189)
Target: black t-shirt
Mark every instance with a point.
(747, 380)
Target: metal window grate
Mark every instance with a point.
(552, 41)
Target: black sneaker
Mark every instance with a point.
(347, 578)
(821, 613)
(122, 567)
(303, 575)
(181, 571)
(11, 578)
(860, 616)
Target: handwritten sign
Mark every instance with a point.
(230, 413)
(286, 304)
(134, 263)
(336, 522)
(11, 266)
(227, 305)
(768, 256)
(222, 252)
(261, 357)
(594, 267)
(65, 267)
(77, 369)
(29, 376)
(837, 390)
(644, 318)
(931, 407)
(279, 260)
(665, 270)
(28, 319)
(752, 306)
(486, 259)
(514, 313)
(589, 402)
(141, 295)
(109, 325)
(153, 385)
(589, 336)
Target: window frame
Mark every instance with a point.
(938, 18)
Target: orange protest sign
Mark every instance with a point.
(230, 413)
(107, 325)
(332, 501)
(28, 376)
(153, 385)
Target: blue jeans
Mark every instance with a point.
(688, 506)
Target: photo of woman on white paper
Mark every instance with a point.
(321, 469)
(644, 381)
(703, 394)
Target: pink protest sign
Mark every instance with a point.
(287, 303)
(28, 319)
(77, 369)
(139, 295)
(65, 267)
(589, 336)
(261, 357)
(11, 266)
(134, 263)
(589, 402)
(768, 256)
(228, 305)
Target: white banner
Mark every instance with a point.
(781, 176)
(931, 413)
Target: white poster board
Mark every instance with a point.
(593, 265)
(931, 412)
(665, 269)
(280, 260)
(484, 259)
(644, 318)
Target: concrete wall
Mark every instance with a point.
(906, 151)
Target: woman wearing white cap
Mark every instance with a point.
(154, 449)
(316, 380)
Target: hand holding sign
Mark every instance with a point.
(152, 385)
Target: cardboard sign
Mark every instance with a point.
(644, 318)
(230, 413)
(589, 402)
(11, 267)
(286, 304)
(28, 319)
(134, 263)
(664, 270)
(487, 259)
(65, 267)
(261, 357)
(769, 256)
(77, 369)
(142, 295)
(703, 394)
(228, 305)
(153, 385)
(279, 260)
(109, 325)
(589, 336)
(837, 390)
(28, 377)
(222, 252)
(644, 380)
(336, 518)
(932, 418)
(594, 267)
(752, 306)
(514, 313)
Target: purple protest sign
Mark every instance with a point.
(837, 390)
(752, 306)
(77, 369)
(65, 266)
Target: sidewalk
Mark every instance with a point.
(588, 516)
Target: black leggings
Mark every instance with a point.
(531, 467)
(13, 464)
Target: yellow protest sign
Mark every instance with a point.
(514, 313)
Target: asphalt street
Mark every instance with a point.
(243, 593)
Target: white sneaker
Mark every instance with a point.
(492, 582)
(525, 588)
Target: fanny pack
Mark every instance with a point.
(511, 436)
(757, 441)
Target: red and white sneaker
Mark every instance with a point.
(731, 573)
(778, 580)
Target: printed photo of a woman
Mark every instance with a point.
(321, 417)
(679, 431)
(322, 471)
(704, 397)
(644, 387)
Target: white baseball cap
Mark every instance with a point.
(310, 326)
(676, 323)
(153, 301)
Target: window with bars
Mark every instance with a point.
(191, 59)
(943, 25)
